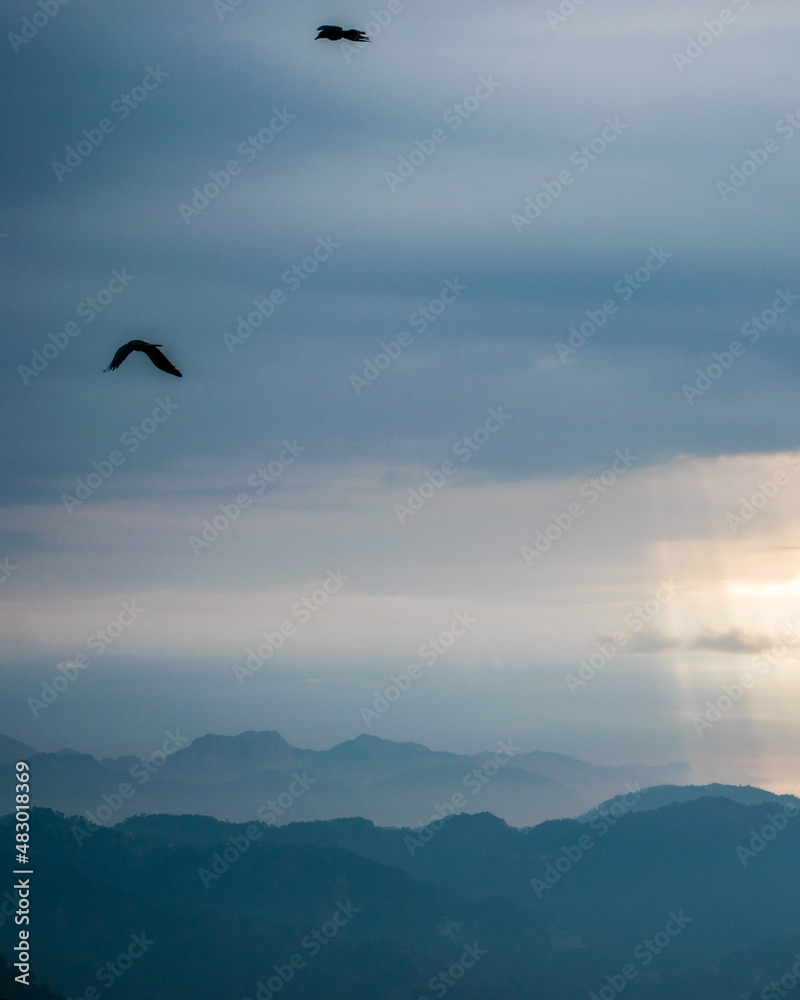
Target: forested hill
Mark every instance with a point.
(698, 899)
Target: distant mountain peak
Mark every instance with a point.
(366, 748)
(368, 740)
(216, 758)
(659, 796)
(250, 736)
(12, 750)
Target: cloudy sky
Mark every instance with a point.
(488, 340)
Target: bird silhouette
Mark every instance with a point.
(336, 34)
(151, 350)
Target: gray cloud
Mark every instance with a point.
(733, 640)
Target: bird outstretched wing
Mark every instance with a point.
(353, 35)
(120, 356)
(151, 350)
(160, 360)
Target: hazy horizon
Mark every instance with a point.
(179, 738)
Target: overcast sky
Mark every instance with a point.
(525, 353)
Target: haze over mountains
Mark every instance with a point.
(693, 889)
(697, 900)
(392, 784)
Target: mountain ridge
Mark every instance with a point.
(554, 912)
(257, 773)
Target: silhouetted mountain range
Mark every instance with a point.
(392, 784)
(664, 795)
(696, 900)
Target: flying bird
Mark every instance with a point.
(151, 350)
(336, 34)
